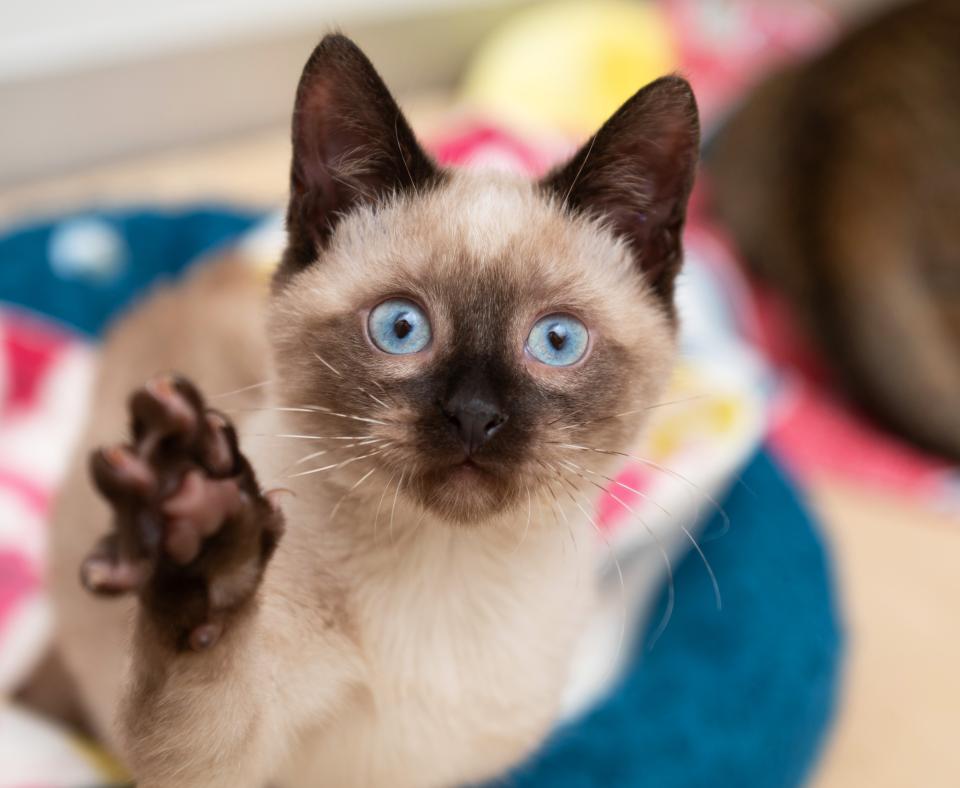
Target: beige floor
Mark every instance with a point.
(898, 567)
(899, 574)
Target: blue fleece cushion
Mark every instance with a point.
(82, 269)
(735, 699)
(740, 698)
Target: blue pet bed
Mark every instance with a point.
(739, 698)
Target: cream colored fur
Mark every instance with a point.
(388, 647)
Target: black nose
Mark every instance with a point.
(475, 419)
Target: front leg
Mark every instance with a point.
(216, 691)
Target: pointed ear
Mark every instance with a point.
(636, 174)
(351, 145)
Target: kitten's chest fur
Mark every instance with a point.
(466, 637)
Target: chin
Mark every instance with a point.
(465, 493)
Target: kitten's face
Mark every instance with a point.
(462, 334)
(425, 308)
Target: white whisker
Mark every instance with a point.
(403, 158)
(634, 412)
(616, 562)
(374, 397)
(320, 453)
(361, 480)
(335, 465)
(671, 587)
(376, 518)
(241, 390)
(314, 409)
(393, 509)
(416, 525)
(681, 526)
(526, 528)
(573, 466)
(593, 141)
(327, 364)
(322, 437)
(313, 456)
(663, 469)
(552, 474)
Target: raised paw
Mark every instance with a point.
(192, 529)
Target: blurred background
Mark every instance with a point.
(103, 81)
(137, 137)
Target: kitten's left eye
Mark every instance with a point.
(398, 326)
(558, 340)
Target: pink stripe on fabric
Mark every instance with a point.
(610, 512)
(30, 346)
(36, 497)
(19, 579)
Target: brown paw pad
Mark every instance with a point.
(195, 512)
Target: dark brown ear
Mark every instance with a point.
(351, 145)
(637, 172)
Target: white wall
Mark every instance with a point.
(43, 36)
(38, 36)
(86, 81)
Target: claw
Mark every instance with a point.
(220, 450)
(162, 408)
(119, 473)
(100, 575)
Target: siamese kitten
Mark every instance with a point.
(361, 574)
(840, 180)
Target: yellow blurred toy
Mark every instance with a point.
(566, 66)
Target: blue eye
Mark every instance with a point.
(399, 326)
(558, 340)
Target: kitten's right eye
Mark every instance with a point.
(399, 327)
